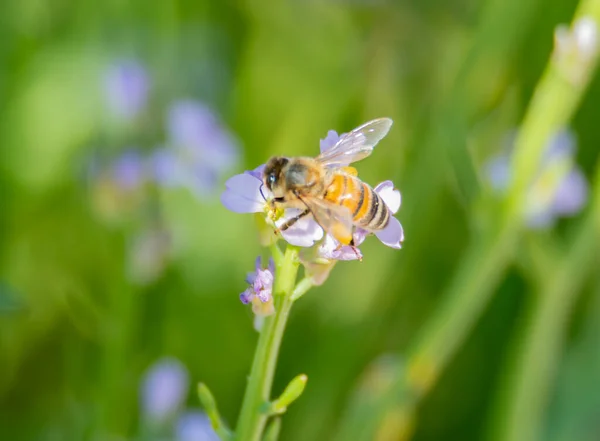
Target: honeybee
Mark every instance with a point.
(327, 188)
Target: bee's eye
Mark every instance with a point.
(271, 179)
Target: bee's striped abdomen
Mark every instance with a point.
(367, 208)
(374, 214)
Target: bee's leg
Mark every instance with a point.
(292, 221)
(358, 256)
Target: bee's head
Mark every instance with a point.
(273, 175)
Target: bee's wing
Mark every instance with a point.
(355, 145)
(334, 219)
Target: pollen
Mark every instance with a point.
(273, 213)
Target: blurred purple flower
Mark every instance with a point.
(259, 293)
(497, 171)
(164, 389)
(559, 189)
(117, 186)
(126, 86)
(194, 426)
(199, 149)
(128, 170)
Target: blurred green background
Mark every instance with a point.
(98, 282)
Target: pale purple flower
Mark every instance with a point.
(244, 194)
(497, 171)
(559, 189)
(194, 426)
(126, 86)
(126, 172)
(165, 167)
(164, 389)
(261, 283)
(129, 170)
(199, 149)
(117, 185)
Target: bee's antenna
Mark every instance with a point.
(261, 192)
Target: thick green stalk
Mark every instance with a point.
(521, 407)
(520, 412)
(252, 418)
(555, 100)
(302, 288)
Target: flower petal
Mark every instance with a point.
(202, 180)
(242, 194)
(190, 123)
(164, 388)
(126, 86)
(244, 184)
(392, 235)
(271, 266)
(195, 426)
(264, 295)
(571, 194)
(166, 167)
(247, 296)
(329, 141)
(331, 250)
(390, 196)
(240, 204)
(360, 235)
(561, 145)
(327, 246)
(250, 277)
(498, 173)
(303, 233)
(257, 172)
(128, 170)
(541, 219)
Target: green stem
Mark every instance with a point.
(252, 419)
(553, 104)
(276, 253)
(272, 432)
(210, 406)
(524, 396)
(303, 286)
(520, 412)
